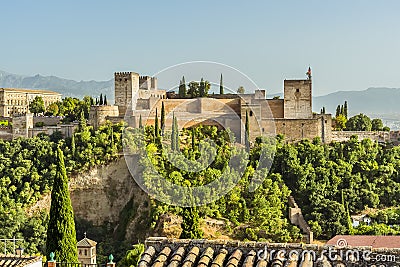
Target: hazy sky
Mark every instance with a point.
(350, 45)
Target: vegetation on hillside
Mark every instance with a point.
(329, 182)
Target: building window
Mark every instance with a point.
(297, 90)
(251, 113)
(80, 252)
(85, 252)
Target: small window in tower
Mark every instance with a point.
(251, 113)
(297, 90)
(326, 121)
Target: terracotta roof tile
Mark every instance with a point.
(220, 258)
(234, 259)
(191, 257)
(250, 259)
(147, 256)
(366, 240)
(206, 257)
(162, 252)
(13, 261)
(177, 257)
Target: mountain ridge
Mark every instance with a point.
(371, 101)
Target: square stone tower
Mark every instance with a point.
(126, 87)
(298, 99)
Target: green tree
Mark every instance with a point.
(191, 224)
(337, 111)
(173, 146)
(345, 109)
(221, 86)
(340, 122)
(162, 118)
(37, 105)
(140, 121)
(240, 90)
(202, 88)
(247, 131)
(182, 88)
(359, 122)
(52, 109)
(105, 100)
(132, 256)
(101, 100)
(377, 125)
(193, 89)
(61, 236)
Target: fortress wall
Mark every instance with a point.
(276, 107)
(380, 136)
(98, 114)
(48, 121)
(21, 124)
(296, 129)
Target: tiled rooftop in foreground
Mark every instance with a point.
(163, 252)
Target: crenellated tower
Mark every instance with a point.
(126, 87)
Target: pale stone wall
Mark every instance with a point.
(14, 101)
(126, 87)
(48, 121)
(297, 101)
(66, 130)
(21, 125)
(98, 114)
(381, 136)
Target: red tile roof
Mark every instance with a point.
(373, 241)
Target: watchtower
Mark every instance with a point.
(298, 99)
(126, 87)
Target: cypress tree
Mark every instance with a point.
(323, 110)
(190, 224)
(105, 100)
(341, 110)
(247, 132)
(82, 121)
(337, 111)
(73, 146)
(202, 88)
(193, 139)
(176, 134)
(156, 130)
(173, 133)
(345, 109)
(91, 101)
(162, 118)
(61, 235)
(183, 87)
(101, 100)
(221, 86)
(140, 121)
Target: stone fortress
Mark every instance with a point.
(138, 96)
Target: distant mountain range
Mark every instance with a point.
(60, 85)
(375, 102)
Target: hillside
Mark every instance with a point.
(63, 86)
(370, 101)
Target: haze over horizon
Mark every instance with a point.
(349, 45)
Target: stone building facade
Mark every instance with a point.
(138, 96)
(14, 101)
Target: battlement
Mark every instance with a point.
(124, 73)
